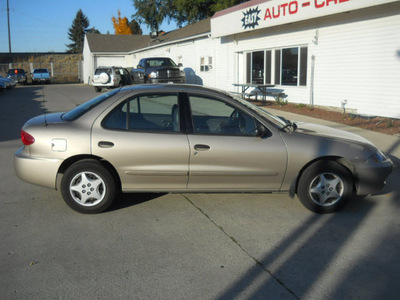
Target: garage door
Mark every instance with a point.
(110, 61)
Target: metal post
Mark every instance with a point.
(312, 81)
(9, 35)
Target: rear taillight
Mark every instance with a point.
(26, 138)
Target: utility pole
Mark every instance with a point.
(9, 35)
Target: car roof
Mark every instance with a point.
(173, 87)
(106, 67)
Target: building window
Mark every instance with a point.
(290, 60)
(286, 66)
(205, 63)
(258, 67)
(277, 67)
(303, 66)
(248, 67)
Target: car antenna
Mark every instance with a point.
(44, 106)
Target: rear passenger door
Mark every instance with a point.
(142, 138)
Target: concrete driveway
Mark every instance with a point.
(188, 246)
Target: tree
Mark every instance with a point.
(121, 25)
(92, 30)
(76, 32)
(135, 27)
(154, 12)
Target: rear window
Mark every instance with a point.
(40, 71)
(103, 70)
(16, 71)
(80, 110)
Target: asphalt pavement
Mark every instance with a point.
(188, 246)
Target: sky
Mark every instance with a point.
(42, 25)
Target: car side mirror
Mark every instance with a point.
(180, 65)
(262, 132)
(139, 67)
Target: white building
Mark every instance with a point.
(319, 52)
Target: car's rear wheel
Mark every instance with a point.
(325, 187)
(97, 89)
(87, 187)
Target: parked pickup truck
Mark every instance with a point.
(18, 75)
(40, 75)
(158, 70)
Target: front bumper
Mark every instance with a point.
(105, 85)
(40, 79)
(19, 79)
(372, 176)
(39, 171)
(167, 80)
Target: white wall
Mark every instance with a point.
(92, 61)
(360, 62)
(188, 53)
(87, 62)
(357, 58)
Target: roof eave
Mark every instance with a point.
(109, 53)
(193, 37)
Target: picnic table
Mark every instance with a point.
(259, 89)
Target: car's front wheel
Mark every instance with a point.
(87, 187)
(325, 187)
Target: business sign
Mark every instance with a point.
(258, 14)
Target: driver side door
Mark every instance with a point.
(226, 153)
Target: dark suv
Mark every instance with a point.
(158, 70)
(18, 75)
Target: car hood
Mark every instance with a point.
(150, 69)
(329, 132)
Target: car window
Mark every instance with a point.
(103, 70)
(211, 116)
(153, 112)
(80, 110)
(160, 62)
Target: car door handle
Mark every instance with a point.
(201, 147)
(105, 144)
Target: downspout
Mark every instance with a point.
(312, 81)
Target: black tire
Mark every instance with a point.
(325, 186)
(87, 187)
(97, 89)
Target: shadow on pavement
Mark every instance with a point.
(16, 107)
(125, 200)
(302, 262)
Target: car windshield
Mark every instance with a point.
(160, 62)
(80, 110)
(274, 119)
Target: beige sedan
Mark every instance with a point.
(183, 138)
